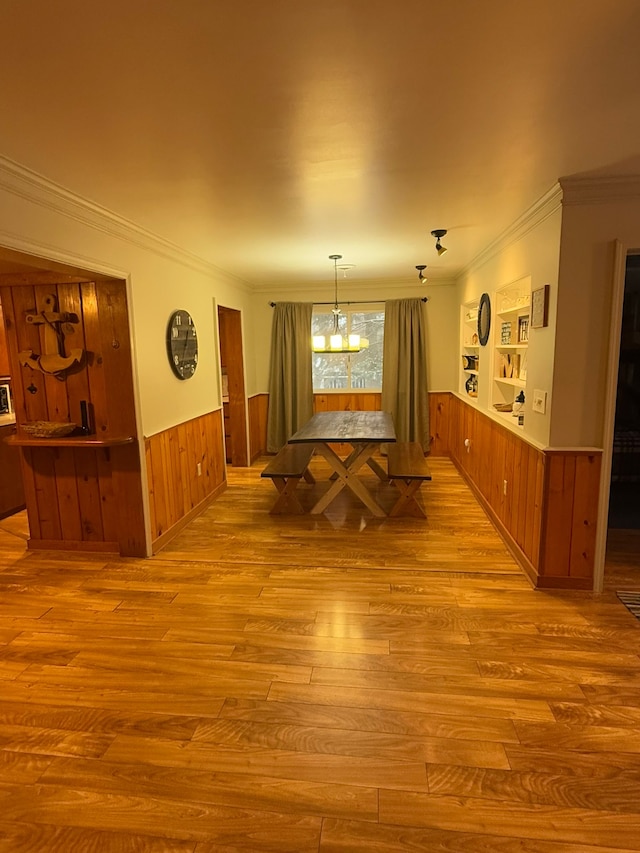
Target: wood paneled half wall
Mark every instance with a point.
(544, 503)
(82, 491)
(186, 470)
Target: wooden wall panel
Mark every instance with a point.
(11, 488)
(5, 369)
(347, 401)
(571, 514)
(176, 491)
(70, 491)
(95, 389)
(584, 521)
(66, 479)
(439, 423)
(90, 501)
(548, 515)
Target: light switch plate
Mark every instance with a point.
(539, 401)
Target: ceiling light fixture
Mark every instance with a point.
(336, 341)
(438, 234)
(345, 268)
(420, 268)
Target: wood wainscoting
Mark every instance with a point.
(543, 502)
(439, 402)
(185, 471)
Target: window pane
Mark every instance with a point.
(362, 370)
(366, 365)
(329, 371)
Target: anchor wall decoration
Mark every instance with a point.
(52, 360)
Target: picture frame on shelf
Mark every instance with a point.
(523, 329)
(5, 399)
(540, 307)
(505, 333)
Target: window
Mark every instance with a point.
(349, 371)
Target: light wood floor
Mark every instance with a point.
(332, 683)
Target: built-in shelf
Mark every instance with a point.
(517, 383)
(518, 309)
(469, 346)
(68, 441)
(510, 345)
(508, 418)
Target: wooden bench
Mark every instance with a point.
(407, 469)
(286, 469)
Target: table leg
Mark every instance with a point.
(377, 469)
(347, 477)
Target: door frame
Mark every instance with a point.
(621, 251)
(238, 404)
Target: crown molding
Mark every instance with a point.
(542, 209)
(35, 188)
(49, 254)
(593, 190)
(357, 288)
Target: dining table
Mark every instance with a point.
(365, 432)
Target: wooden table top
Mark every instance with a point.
(350, 427)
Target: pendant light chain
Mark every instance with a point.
(337, 342)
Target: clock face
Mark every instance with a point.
(182, 344)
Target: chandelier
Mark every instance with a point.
(336, 341)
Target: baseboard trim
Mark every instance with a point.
(166, 537)
(73, 545)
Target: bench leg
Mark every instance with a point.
(407, 503)
(309, 478)
(287, 500)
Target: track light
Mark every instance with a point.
(438, 233)
(420, 268)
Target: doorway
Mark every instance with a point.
(234, 401)
(623, 525)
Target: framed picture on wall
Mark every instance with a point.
(540, 307)
(5, 400)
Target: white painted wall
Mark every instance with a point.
(533, 251)
(591, 224)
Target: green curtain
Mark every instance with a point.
(290, 379)
(404, 370)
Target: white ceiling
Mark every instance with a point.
(264, 135)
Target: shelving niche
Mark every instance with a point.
(469, 349)
(511, 342)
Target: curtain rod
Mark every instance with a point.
(357, 302)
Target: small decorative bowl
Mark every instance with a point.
(47, 429)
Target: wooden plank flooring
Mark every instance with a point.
(328, 684)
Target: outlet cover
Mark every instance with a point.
(539, 401)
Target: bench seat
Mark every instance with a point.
(407, 469)
(286, 469)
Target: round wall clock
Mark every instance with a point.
(182, 344)
(484, 319)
